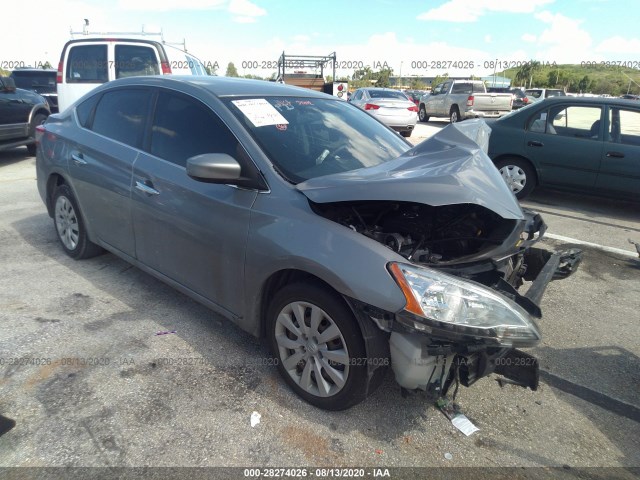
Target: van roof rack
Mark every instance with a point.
(86, 33)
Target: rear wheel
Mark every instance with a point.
(422, 114)
(454, 115)
(70, 226)
(319, 346)
(518, 174)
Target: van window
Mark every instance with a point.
(183, 128)
(196, 67)
(135, 60)
(122, 114)
(87, 64)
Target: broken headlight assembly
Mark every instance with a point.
(446, 306)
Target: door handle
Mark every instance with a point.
(535, 143)
(143, 187)
(615, 154)
(78, 159)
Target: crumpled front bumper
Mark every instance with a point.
(429, 361)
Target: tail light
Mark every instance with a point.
(371, 106)
(166, 68)
(413, 108)
(59, 75)
(45, 141)
(470, 101)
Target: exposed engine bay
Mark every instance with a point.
(422, 233)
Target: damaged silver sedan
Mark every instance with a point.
(306, 221)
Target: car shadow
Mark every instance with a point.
(590, 206)
(15, 155)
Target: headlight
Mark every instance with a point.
(452, 305)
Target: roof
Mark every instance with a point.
(590, 100)
(221, 86)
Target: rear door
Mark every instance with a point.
(192, 232)
(100, 163)
(620, 166)
(85, 66)
(565, 141)
(135, 59)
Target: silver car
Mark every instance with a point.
(391, 107)
(306, 221)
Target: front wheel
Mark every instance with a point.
(70, 226)
(518, 174)
(318, 345)
(422, 114)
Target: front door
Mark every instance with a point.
(193, 232)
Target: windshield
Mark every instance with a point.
(309, 137)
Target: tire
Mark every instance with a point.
(39, 119)
(406, 133)
(70, 226)
(344, 383)
(454, 115)
(422, 114)
(518, 174)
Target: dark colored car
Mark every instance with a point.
(306, 221)
(21, 111)
(519, 98)
(41, 81)
(588, 144)
(628, 96)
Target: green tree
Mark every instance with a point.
(231, 70)
(417, 84)
(585, 85)
(439, 79)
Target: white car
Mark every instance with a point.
(89, 62)
(391, 107)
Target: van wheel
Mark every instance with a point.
(318, 346)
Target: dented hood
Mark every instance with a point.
(448, 168)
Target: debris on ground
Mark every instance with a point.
(255, 419)
(459, 420)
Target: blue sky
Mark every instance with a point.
(401, 33)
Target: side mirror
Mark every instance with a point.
(214, 168)
(7, 84)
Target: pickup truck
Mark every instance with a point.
(461, 99)
(21, 111)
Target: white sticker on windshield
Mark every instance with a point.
(543, 116)
(260, 112)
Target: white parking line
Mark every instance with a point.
(597, 246)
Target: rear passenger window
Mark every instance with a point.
(183, 128)
(135, 60)
(461, 88)
(87, 64)
(121, 115)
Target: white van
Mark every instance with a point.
(88, 62)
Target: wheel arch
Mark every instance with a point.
(54, 181)
(376, 341)
(505, 156)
